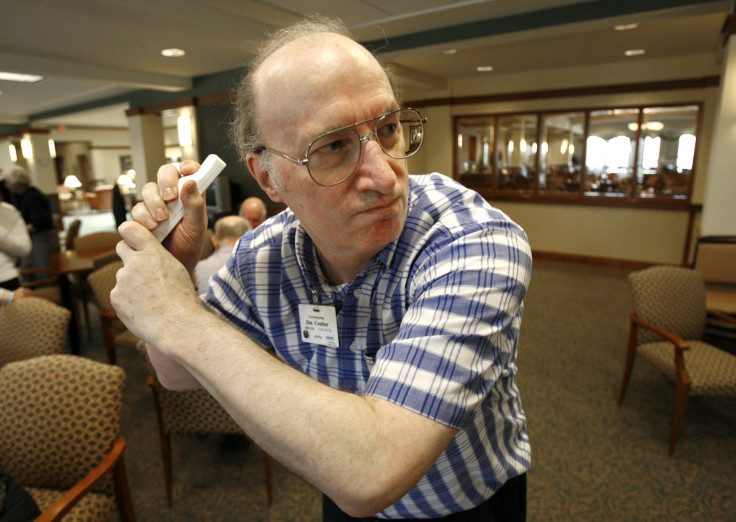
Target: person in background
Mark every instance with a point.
(15, 243)
(8, 296)
(254, 210)
(392, 303)
(228, 230)
(35, 208)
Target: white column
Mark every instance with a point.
(147, 147)
(719, 202)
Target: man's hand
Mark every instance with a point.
(185, 241)
(154, 293)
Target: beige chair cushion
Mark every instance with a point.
(712, 371)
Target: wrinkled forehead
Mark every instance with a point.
(316, 73)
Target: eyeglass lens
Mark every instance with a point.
(332, 158)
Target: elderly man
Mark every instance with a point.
(254, 210)
(393, 303)
(228, 230)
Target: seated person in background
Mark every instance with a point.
(15, 242)
(228, 230)
(254, 210)
(35, 208)
(392, 302)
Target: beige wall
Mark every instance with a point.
(617, 233)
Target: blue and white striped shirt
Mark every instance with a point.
(431, 325)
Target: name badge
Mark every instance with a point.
(318, 324)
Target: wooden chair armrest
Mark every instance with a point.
(722, 316)
(678, 341)
(107, 314)
(61, 507)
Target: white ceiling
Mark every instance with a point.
(90, 50)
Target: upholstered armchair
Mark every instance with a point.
(102, 281)
(60, 436)
(667, 327)
(30, 327)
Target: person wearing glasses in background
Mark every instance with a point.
(392, 303)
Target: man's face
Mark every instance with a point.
(351, 222)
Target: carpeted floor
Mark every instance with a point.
(592, 460)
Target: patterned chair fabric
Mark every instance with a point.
(670, 297)
(102, 281)
(61, 420)
(31, 327)
(667, 328)
(191, 412)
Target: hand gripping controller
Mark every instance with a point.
(208, 171)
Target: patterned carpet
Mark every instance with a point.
(592, 460)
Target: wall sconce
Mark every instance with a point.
(52, 147)
(13, 153)
(26, 148)
(184, 126)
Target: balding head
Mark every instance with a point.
(254, 210)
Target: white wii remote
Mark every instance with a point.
(208, 171)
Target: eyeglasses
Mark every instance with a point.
(334, 157)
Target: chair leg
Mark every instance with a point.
(681, 396)
(267, 475)
(629, 364)
(165, 444)
(109, 339)
(85, 307)
(122, 492)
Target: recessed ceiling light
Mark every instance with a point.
(625, 27)
(634, 52)
(484, 68)
(173, 52)
(17, 77)
(450, 51)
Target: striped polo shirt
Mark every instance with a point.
(432, 325)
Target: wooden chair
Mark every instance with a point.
(95, 240)
(60, 436)
(72, 232)
(30, 327)
(101, 282)
(667, 327)
(192, 412)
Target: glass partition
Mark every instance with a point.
(563, 144)
(474, 150)
(517, 152)
(610, 154)
(593, 154)
(667, 149)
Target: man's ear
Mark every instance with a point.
(261, 176)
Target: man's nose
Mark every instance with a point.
(374, 172)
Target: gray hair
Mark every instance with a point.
(246, 137)
(231, 226)
(19, 176)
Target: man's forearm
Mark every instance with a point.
(339, 442)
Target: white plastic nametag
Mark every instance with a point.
(318, 324)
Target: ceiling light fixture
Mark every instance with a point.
(634, 52)
(18, 77)
(173, 52)
(13, 153)
(449, 51)
(625, 27)
(484, 68)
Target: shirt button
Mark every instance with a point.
(356, 292)
(354, 347)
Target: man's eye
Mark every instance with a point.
(334, 145)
